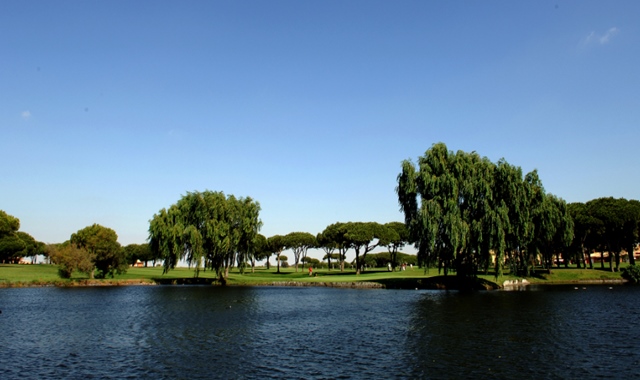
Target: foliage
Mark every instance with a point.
(615, 227)
(631, 274)
(604, 225)
(332, 256)
(275, 245)
(102, 244)
(383, 259)
(260, 250)
(10, 243)
(408, 259)
(399, 236)
(299, 243)
(461, 209)
(142, 252)
(325, 243)
(311, 261)
(365, 237)
(16, 244)
(206, 229)
(32, 248)
(585, 227)
(334, 235)
(367, 262)
(71, 258)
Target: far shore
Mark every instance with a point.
(13, 275)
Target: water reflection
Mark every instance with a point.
(180, 332)
(531, 334)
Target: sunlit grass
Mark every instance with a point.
(41, 274)
(13, 273)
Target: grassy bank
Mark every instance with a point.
(44, 275)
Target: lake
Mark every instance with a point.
(204, 332)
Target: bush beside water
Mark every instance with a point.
(631, 274)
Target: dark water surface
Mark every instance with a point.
(203, 332)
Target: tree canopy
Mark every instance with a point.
(605, 225)
(10, 242)
(465, 213)
(15, 244)
(398, 237)
(206, 229)
(335, 234)
(299, 243)
(142, 252)
(102, 244)
(71, 258)
(363, 237)
(275, 245)
(260, 250)
(328, 246)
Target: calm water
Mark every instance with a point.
(198, 332)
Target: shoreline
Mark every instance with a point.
(436, 283)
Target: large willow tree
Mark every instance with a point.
(207, 230)
(465, 213)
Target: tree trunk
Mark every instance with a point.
(611, 262)
(364, 255)
(580, 259)
(394, 258)
(632, 259)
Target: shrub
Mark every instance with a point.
(632, 274)
(70, 258)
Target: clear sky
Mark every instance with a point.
(111, 110)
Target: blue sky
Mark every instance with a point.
(111, 110)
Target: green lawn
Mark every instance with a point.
(25, 275)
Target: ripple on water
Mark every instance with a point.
(190, 332)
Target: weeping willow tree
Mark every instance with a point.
(208, 230)
(466, 214)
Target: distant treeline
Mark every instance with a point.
(463, 213)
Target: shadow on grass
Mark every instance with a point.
(439, 282)
(318, 273)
